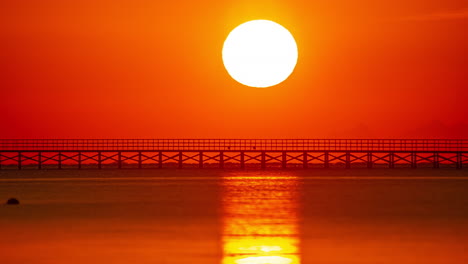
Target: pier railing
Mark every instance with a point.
(336, 145)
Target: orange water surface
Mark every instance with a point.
(223, 217)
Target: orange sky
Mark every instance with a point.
(153, 69)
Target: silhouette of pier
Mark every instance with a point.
(239, 153)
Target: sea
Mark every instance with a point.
(212, 216)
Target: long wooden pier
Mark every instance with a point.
(235, 153)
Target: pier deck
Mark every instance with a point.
(241, 153)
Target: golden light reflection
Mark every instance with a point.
(260, 220)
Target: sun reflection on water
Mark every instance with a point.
(260, 220)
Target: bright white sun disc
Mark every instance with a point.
(260, 53)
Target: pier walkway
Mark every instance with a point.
(236, 153)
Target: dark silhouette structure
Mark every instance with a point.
(240, 152)
(12, 201)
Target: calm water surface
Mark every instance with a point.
(196, 216)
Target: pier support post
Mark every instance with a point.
(459, 161)
(99, 160)
(370, 162)
(119, 160)
(304, 160)
(242, 160)
(200, 159)
(348, 160)
(19, 160)
(180, 160)
(221, 160)
(139, 160)
(160, 160)
(284, 160)
(60, 160)
(39, 160)
(1, 157)
(391, 160)
(414, 160)
(79, 160)
(436, 160)
(263, 165)
(327, 160)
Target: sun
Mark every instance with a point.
(260, 53)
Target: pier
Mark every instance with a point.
(232, 153)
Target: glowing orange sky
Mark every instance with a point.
(153, 69)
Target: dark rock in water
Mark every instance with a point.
(12, 201)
